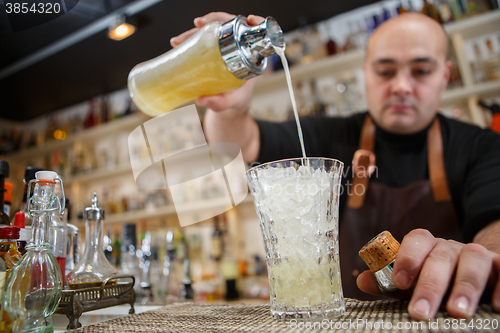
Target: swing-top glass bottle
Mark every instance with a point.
(34, 286)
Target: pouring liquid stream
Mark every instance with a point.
(279, 51)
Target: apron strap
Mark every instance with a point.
(364, 158)
(435, 160)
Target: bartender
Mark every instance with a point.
(433, 182)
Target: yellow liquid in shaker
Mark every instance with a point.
(195, 68)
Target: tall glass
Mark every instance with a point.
(297, 202)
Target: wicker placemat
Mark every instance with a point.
(360, 316)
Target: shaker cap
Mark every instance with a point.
(380, 251)
(93, 212)
(245, 48)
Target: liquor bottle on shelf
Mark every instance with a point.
(108, 246)
(478, 6)
(456, 10)
(116, 251)
(8, 198)
(430, 10)
(455, 79)
(146, 290)
(444, 9)
(24, 233)
(170, 282)
(478, 65)
(29, 174)
(493, 62)
(4, 173)
(9, 257)
(187, 289)
(128, 258)
(217, 247)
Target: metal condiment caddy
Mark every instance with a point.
(94, 283)
(110, 293)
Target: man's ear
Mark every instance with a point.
(447, 72)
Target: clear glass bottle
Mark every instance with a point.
(145, 261)
(217, 58)
(93, 267)
(128, 259)
(58, 238)
(73, 248)
(34, 286)
(170, 281)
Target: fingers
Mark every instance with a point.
(434, 279)
(198, 23)
(177, 40)
(414, 249)
(495, 299)
(367, 283)
(236, 99)
(255, 19)
(474, 267)
(212, 17)
(201, 21)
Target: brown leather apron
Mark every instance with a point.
(373, 207)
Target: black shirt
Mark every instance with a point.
(471, 158)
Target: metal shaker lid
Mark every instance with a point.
(245, 48)
(93, 212)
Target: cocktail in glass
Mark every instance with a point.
(297, 205)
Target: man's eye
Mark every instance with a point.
(385, 73)
(421, 72)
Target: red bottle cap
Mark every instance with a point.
(9, 233)
(19, 220)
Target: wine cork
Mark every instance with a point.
(380, 251)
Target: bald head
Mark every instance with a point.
(405, 72)
(407, 29)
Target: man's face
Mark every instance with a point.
(405, 72)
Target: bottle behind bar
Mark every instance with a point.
(4, 173)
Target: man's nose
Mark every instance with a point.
(402, 85)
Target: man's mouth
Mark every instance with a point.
(400, 107)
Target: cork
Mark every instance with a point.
(380, 251)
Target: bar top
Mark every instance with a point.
(383, 316)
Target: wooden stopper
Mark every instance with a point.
(380, 251)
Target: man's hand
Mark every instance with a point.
(427, 268)
(238, 99)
